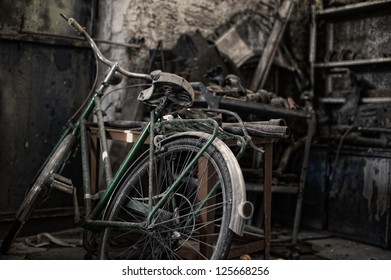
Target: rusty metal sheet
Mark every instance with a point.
(41, 85)
(359, 199)
(44, 16)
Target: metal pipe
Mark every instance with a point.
(103, 141)
(74, 38)
(303, 177)
(259, 129)
(267, 196)
(312, 46)
(363, 129)
(85, 168)
(287, 154)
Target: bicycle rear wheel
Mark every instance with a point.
(192, 223)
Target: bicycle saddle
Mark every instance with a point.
(169, 85)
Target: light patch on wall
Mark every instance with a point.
(375, 190)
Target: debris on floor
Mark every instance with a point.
(67, 245)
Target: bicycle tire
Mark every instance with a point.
(37, 189)
(181, 234)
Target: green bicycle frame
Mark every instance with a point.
(150, 212)
(79, 130)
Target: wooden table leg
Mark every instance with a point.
(206, 182)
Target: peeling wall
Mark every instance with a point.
(146, 22)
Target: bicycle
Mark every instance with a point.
(181, 199)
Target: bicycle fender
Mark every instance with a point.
(242, 209)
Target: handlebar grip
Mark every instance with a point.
(72, 22)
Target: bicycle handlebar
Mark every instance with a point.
(72, 22)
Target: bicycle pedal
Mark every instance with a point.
(62, 184)
(98, 195)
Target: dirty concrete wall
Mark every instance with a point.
(146, 22)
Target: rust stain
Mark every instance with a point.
(375, 189)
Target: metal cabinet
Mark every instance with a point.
(351, 62)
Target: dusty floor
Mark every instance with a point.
(67, 245)
(326, 246)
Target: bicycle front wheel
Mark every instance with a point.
(36, 193)
(191, 222)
